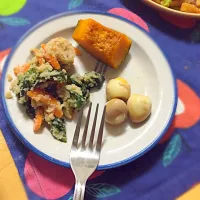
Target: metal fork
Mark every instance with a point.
(84, 160)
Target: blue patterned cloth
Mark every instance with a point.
(173, 166)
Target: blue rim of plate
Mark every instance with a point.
(65, 164)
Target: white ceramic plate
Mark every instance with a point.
(146, 69)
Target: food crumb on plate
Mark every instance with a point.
(9, 95)
(9, 77)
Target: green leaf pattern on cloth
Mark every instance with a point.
(71, 198)
(74, 4)
(14, 21)
(102, 190)
(172, 150)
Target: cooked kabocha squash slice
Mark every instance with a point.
(105, 44)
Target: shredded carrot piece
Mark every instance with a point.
(17, 70)
(47, 57)
(43, 47)
(58, 113)
(39, 117)
(26, 67)
(21, 69)
(35, 51)
(53, 61)
(40, 60)
(48, 100)
(77, 51)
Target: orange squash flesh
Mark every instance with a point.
(105, 44)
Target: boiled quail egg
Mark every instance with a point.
(118, 88)
(116, 111)
(139, 107)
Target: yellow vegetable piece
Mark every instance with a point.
(190, 8)
(105, 44)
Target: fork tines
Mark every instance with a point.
(78, 127)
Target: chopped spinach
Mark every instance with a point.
(76, 101)
(89, 80)
(55, 75)
(93, 79)
(58, 129)
(76, 79)
(25, 82)
(29, 109)
(85, 92)
(86, 82)
(32, 77)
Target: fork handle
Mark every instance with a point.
(79, 190)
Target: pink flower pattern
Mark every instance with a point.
(130, 16)
(47, 179)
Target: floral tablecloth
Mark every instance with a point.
(169, 171)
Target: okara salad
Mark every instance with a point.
(48, 91)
